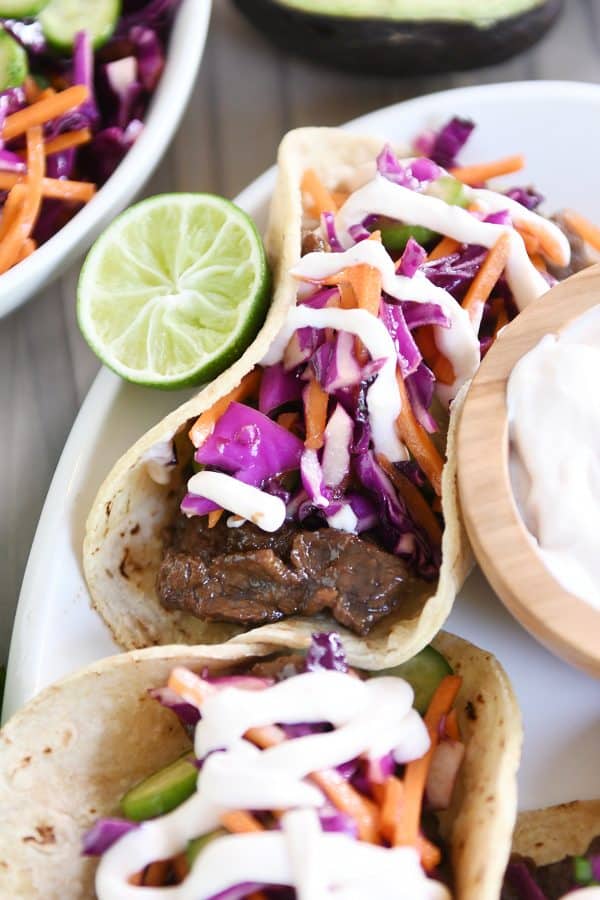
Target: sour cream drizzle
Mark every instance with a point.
(384, 198)
(373, 718)
(459, 342)
(383, 398)
(245, 500)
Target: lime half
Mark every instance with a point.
(174, 290)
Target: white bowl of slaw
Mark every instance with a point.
(184, 53)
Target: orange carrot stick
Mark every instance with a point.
(440, 366)
(415, 773)
(586, 230)
(483, 284)
(287, 420)
(365, 281)
(205, 423)
(418, 507)
(501, 321)
(430, 855)
(446, 246)
(539, 262)
(322, 198)
(14, 201)
(451, 726)
(547, 244)
(24, 221)
(32, 89)
(29, 246)
(482, 172)
(347, 296)
(239, 821)
(43, 110)
(55, 188)
(531, 241)
(418, 441)
(213, 517)
(391, 807)
(315, 405)
(67, 141)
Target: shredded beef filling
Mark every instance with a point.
(247, 576)
(554, 880)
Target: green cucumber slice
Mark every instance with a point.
(161, 792)
(450, 190)
(13, 62)
(62, 19)
(395, 237)
(21, 9)
(198, 844)
(423, 672)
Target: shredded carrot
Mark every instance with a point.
(483, 284)
(347, 296)
(239, 821)
(366, 283)
(391, 808)
(451, 725)
(546, 244)
(189, 686)
(67, 141)
(347, 799)
(539, 262)
(446, 246)
(418, 507)
(14, 201)
(46, 108)
(213, 517)
(440, 366)
(205, 423)
(22, 225)
(586, 230)
(136, 880)
(415, 773)
(340, 197)
(431, 856)
(417, 440)
(482, 172)
(32, 89)
(501, 321)
(54, 188)
(29, 246)
(316, 401)
(322, 198)
(156, 873)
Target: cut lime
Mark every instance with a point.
(13, 62)
(62, 19)
(174, 290)
(20, 9)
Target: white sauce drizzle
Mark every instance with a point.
(383, 398)
(555, 452)
(459, 342)
(384, 198)
(373, 717)
(245, 500)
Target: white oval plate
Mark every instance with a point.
(186, 46)
(558, 126)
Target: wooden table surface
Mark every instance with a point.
(247, 95)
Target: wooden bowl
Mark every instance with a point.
(562, 622)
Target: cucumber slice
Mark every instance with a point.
(161, 792)
(62, 19)
(13, 62)
(423, 672)
(395, 237)
(198, 844)
(21, 9)
(450, 190)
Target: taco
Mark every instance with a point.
(96, 754)
(329, 444)
(556, 851)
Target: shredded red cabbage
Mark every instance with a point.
(187, 713)
(526, 196)
(522, 881)
(409, 355)
(104, 833)
(328, 220)
(326, 651)
(278, 387)
(450, 140)
(412, 257)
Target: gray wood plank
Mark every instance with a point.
(248, 94)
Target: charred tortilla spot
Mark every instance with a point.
(44, 836)
(470, 711)
(135, 529)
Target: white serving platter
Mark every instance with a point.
(557, 125)
(185, 50)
